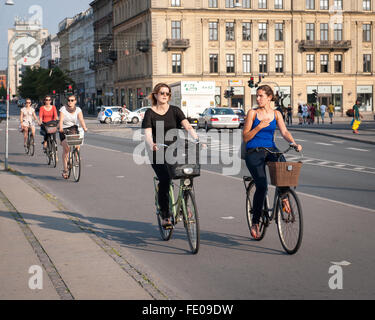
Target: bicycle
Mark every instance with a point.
(74, 158)
(51, 150)
(184, 208)
(286, 221)
(30, 145)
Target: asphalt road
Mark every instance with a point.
(115, 198)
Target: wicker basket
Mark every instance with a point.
(74, 140)
(284, 174)
(51, 130)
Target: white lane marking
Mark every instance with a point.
(120, 177)
(337, 141)
(324, 162)
(299, 140)
(228, 218)
(356, 149)
(359, 168)
(324, 144)
(339, 165)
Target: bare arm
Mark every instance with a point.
(189, 128)
(82, 121)
(149, 140)
(61, 122)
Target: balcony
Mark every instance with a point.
(311, 45)
(181, 44)
(112, 55)
(144, 45)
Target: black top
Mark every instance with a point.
(171, 120)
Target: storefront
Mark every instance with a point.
(326, 95)
(365, 96)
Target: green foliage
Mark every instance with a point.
(3, 92)
(36, 83)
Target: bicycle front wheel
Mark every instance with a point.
(31, 146)
(289, 222)
(165, 234)
(53, 151)
(76, 165)
(191, 221)
(250, 191)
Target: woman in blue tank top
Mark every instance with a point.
(259, 131)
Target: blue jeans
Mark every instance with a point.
(256, 163)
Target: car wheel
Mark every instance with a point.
(135, 120)
(107, 120)
(206, 127)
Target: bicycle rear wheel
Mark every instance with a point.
(76, 165)
(250, 191)
(290, 225)
(53, 153)
(31, 145)
(191, 221)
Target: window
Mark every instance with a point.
(176, 63)
(262, 4)
(214, 63)
(230, 63)
(338, 63)
(324, 63)
(367, 33)
(279, 29)
(323, 4)
(279, 4)
(310, 31)
(367, 63)
(262, 31)
(367, 5)
(338, 32)
(324, 31)
(310, 4)
(229, 31)
(263, 63)
(246, 4)
(212, 3)
(246, 63)
(279, 61)
(229, 3)
(176, 3)
(176, 29)
(246, 31)
(213, 33)
(338, 4)
(310, 63)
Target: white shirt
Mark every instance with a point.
(323, 108)
(70, 119)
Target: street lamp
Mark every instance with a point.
(9, 3)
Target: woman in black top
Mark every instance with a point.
(170, 117)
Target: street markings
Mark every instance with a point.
(356, 149)
(227, 218)
(324, 144)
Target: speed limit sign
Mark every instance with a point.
(27, 51)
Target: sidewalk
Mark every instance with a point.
(34, 232)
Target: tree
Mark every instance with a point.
(3, 92)
(36, 83)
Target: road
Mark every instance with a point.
(115, 199)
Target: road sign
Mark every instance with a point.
(108, 113)
(26, 51)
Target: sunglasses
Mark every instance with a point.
(47, 99)
(165, 93)
(70, 100)
(28, 102)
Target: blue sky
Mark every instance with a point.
(54, 11)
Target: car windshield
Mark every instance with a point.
(222, 111)
(239, 112)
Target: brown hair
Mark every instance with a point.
(268, 91)
(156, 91)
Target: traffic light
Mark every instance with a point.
(226, 94)
(231, 92)
(140, 97)
(70, 89)
(315, 93)
(251, 82)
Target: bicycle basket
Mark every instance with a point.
(183, 169)
(51, 130)
(284, 174)
(74, 139)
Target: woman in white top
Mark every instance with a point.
(70, 116)
(27, 118)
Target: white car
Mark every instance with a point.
(109, 114)
(136, 115)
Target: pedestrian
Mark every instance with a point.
(299, 114)
(323, 108)
(304, 113)
(331, 111)
(124, 112)
(317, 113)
(312, 114)
(356, 117)
(289, 115)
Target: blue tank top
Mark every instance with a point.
(265, 137)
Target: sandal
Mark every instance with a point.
(254, 231)
(65, 174)
(166, 224)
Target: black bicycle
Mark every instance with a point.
(51, 150)
(30, 144)
(74, 159)
(286, 211)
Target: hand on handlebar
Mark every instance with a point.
(296, 147)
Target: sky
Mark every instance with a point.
(53, 12)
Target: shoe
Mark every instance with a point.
(166, 224)
(65, 174)
(254, 231)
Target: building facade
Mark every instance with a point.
(3, 79)
(104, 54)
(22, 27)
(296, 46)
(50, 52)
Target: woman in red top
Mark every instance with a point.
(47, 113)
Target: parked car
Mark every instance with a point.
(241, 114)
(109, 114)
(3, 113)
(21, 103)
(136, 115)
(218, 118)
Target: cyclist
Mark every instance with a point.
(259, 130)
(172, 118)
(27, 117)
(47, 113)
(71, 119)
